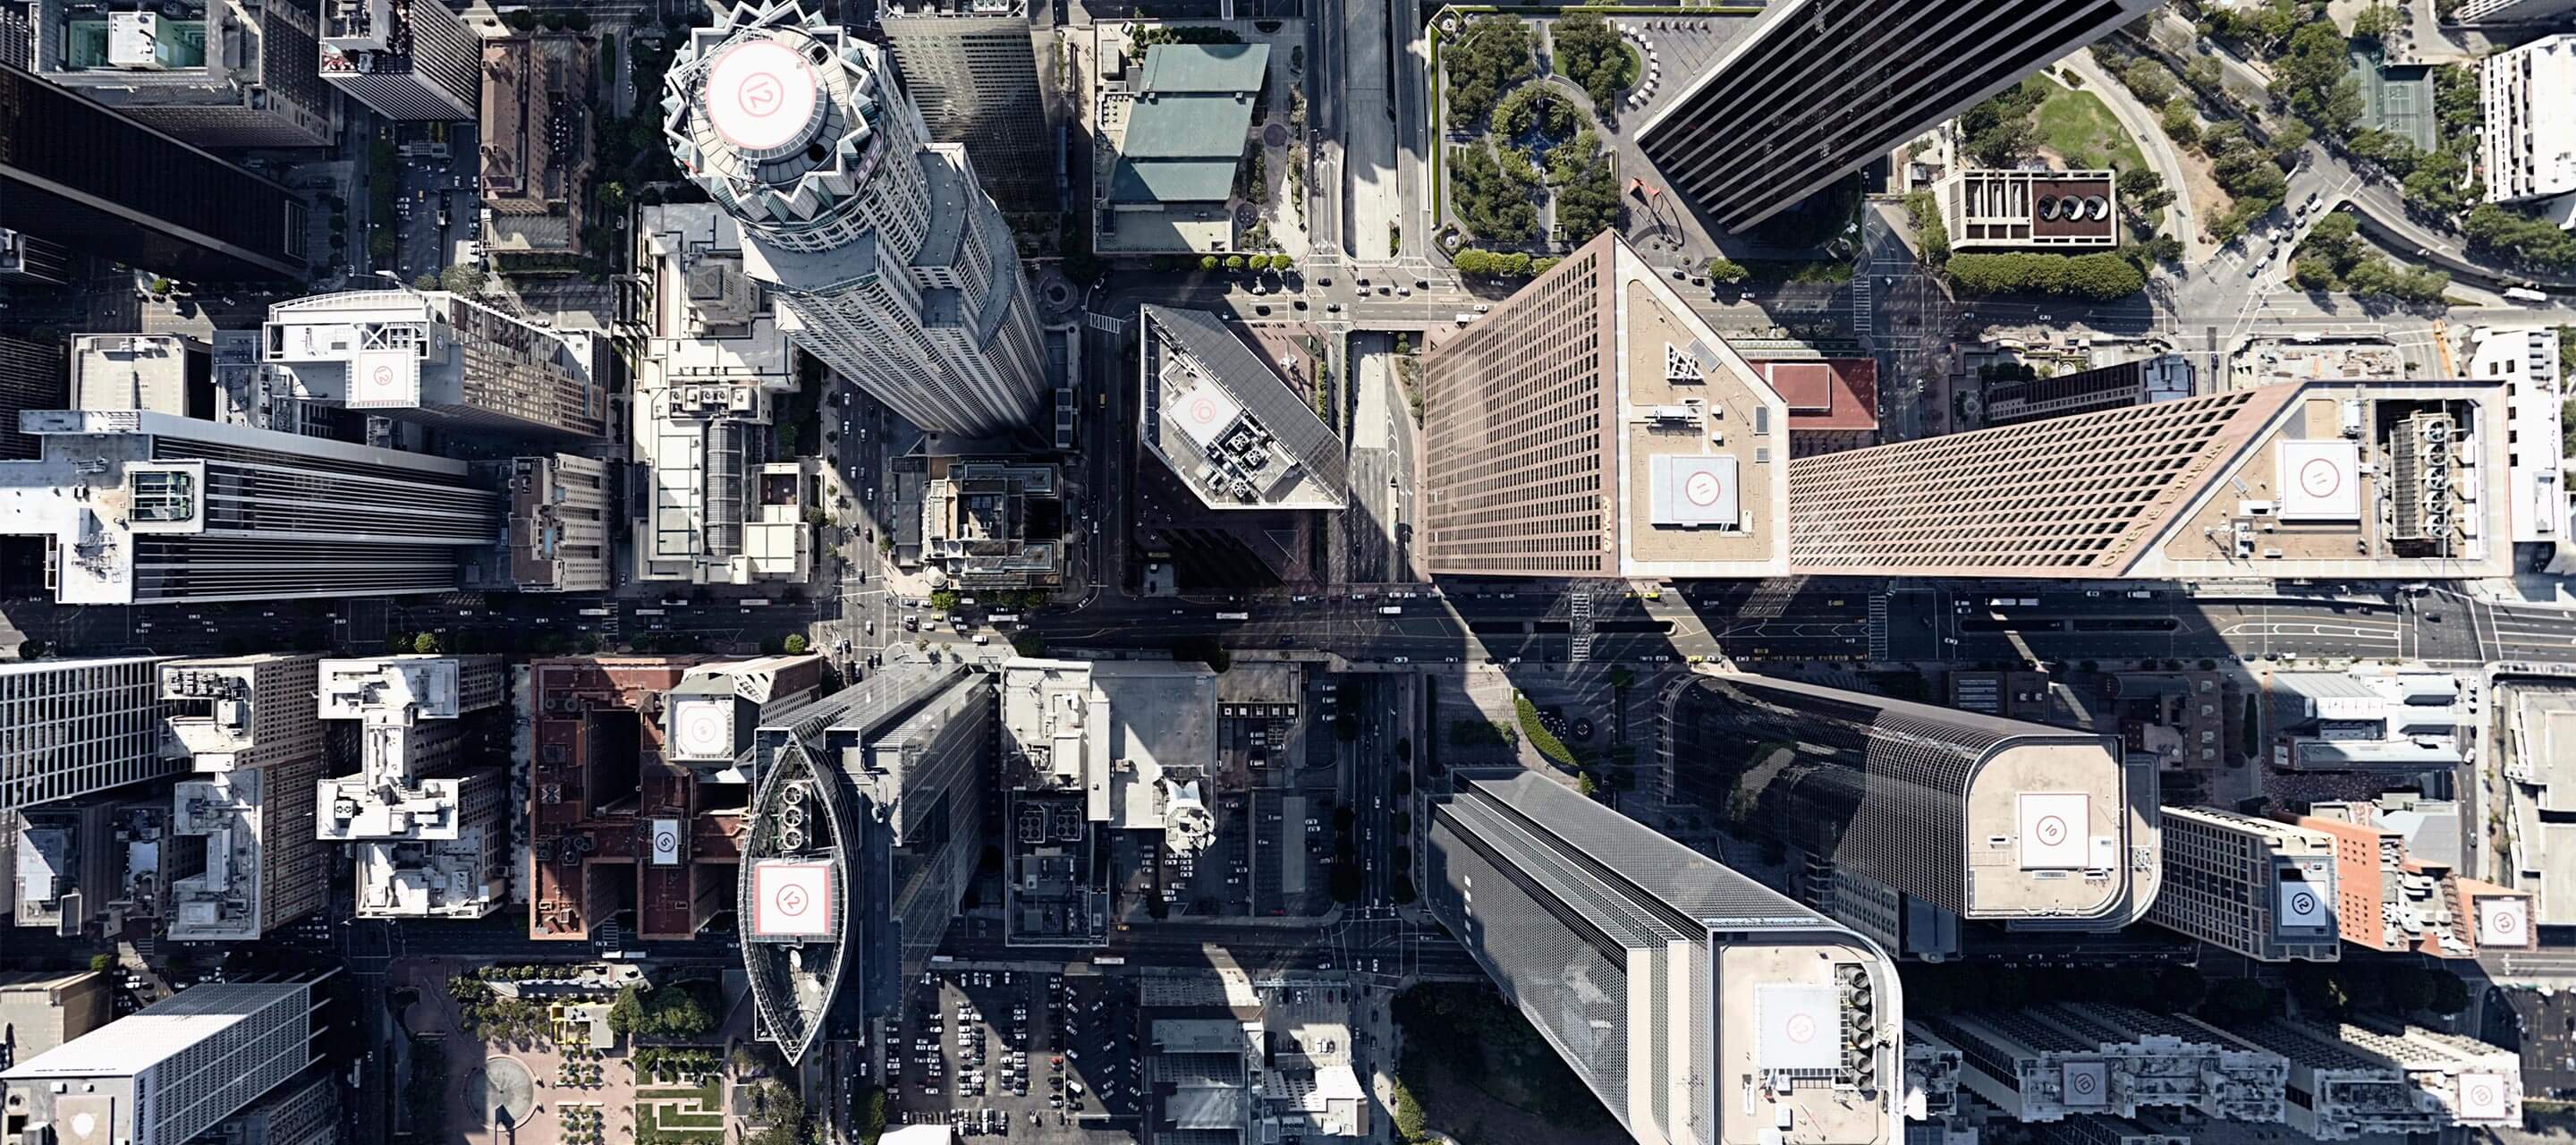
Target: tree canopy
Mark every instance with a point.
(1588, 204)
(2315, 76)
(1494, 206)
(1591, 54)
(2097, 277)
(1999, 131)
(1489, 56)
(670, 1011)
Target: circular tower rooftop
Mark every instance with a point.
(762, 97)
(779, 114)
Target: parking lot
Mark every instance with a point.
(1217, 880)
(1045, 1057)
(1292, 827)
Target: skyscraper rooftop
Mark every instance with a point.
(2369, 479)
(1695, 1003)
(1988, 818)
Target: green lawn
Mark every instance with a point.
(2077, 125)
(709, 1094)
(667, 1129)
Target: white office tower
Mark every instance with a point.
(167, 1073)
(436, 358)
(304, 1111)
(248, 725)
(1699, 1006)
(2528, 142)
(153, 508)
(896, 268)
(430, 834)
(2511, 11)
(2536, 403)
(70, 728)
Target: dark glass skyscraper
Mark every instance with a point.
(1985, 817)
(1816, 88)
(77, 173)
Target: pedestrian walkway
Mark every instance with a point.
(1863, 314)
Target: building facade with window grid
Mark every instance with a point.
(71, 728)
(2195, 487)
(217, 512)
(1663, 978)
(972, 66)
(1593, 425)
(2259, 888)
(87, 176)
(1818, 88)
(170, 1071)
(407, 59)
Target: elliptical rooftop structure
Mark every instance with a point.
(898, 269)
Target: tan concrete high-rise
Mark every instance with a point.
(2396, 479)
(248, 725)
(1592, 425)
(2261, 888)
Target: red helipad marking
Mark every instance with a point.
(2052, 830)
(1703, 489)
(1203, 411)
(1801, 1028)
(382, 377)
(760, 93)
(789, 901)
(2320, 477)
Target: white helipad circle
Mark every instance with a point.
(2507, 921)
(702, 732)
(790, 901)
(1703, 488)
(1801, 1028)
(2320, 478)
(760, 93)
(2052, 830)
(1202, 411)
(84, 1124)
(382, 377)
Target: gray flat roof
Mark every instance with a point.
(1264, 396)
(1204, 67)
(1187, 128)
